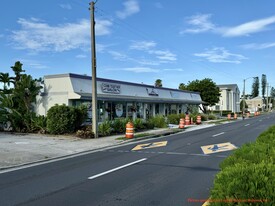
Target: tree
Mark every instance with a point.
(243, 102)
(6, 80)
(16, 107)
(263, 85)
(182, 86)
(255, 87)
(158, 83)
(17, 69)
(208, 89)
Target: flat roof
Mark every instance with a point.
(114, 81)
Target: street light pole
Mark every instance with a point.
(94, 86)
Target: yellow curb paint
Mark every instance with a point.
(150, 145)
(221, 147)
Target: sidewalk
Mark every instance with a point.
(21, 149)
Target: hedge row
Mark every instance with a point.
(247, 177)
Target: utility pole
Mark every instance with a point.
(94, 82)
(267, 105)
(243, 96)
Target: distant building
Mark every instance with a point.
(229, 99)
(254, 104)
(115, 98)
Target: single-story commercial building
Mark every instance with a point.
(115, 98)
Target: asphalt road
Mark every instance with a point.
(177, 173)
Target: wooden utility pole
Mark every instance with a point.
(94, 82)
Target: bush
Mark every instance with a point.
(119, 125)
(212, 117)
(173, 119)
(65, 119)
(139, 124)
(104, 129)
(203, 117)
(158, 121)
(85, 133)
(245, 182)
(40, 123)
(248, 173)
(250, 153)
(149, 124)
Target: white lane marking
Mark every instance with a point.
(117, 168)
(246, 125)
(215, 135)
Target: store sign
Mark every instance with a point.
(110, 88)
(152, 92)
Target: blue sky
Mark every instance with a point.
(142, 40)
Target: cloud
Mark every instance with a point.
(143, 45)
(65, 6)
(37, 36)
(149, 47)
(258, 46)
(141, 70)
(201, 23)
(221, 55)
(130, 7)
(175, 70)
(164, 55)
(119, 56)
(249, 27)
(81, 56)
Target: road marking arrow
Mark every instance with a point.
(150, 145)
(221, 147)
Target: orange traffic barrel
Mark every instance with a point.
(235, 116)
(181, 124)
(187, 120)
(228, 116)
(198, 119)
(129, 130)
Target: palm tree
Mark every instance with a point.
(158, 83)
(17, 69)
(6, 80)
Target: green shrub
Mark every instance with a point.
(212, 117)
(119, 125)
(105, 129)
(245, 182)
(248, 173)
(158, 121)
(65, 119)
(268, 136)
(40, 123)
(149, 124)
(173, 119)
(250, 153)
(204, 117)
(139, 124)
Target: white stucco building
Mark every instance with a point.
(115, 98)
(229, 99)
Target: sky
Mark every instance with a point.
(140, 41)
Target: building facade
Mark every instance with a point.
(115, 98)
(254, 104)
(229, 99)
